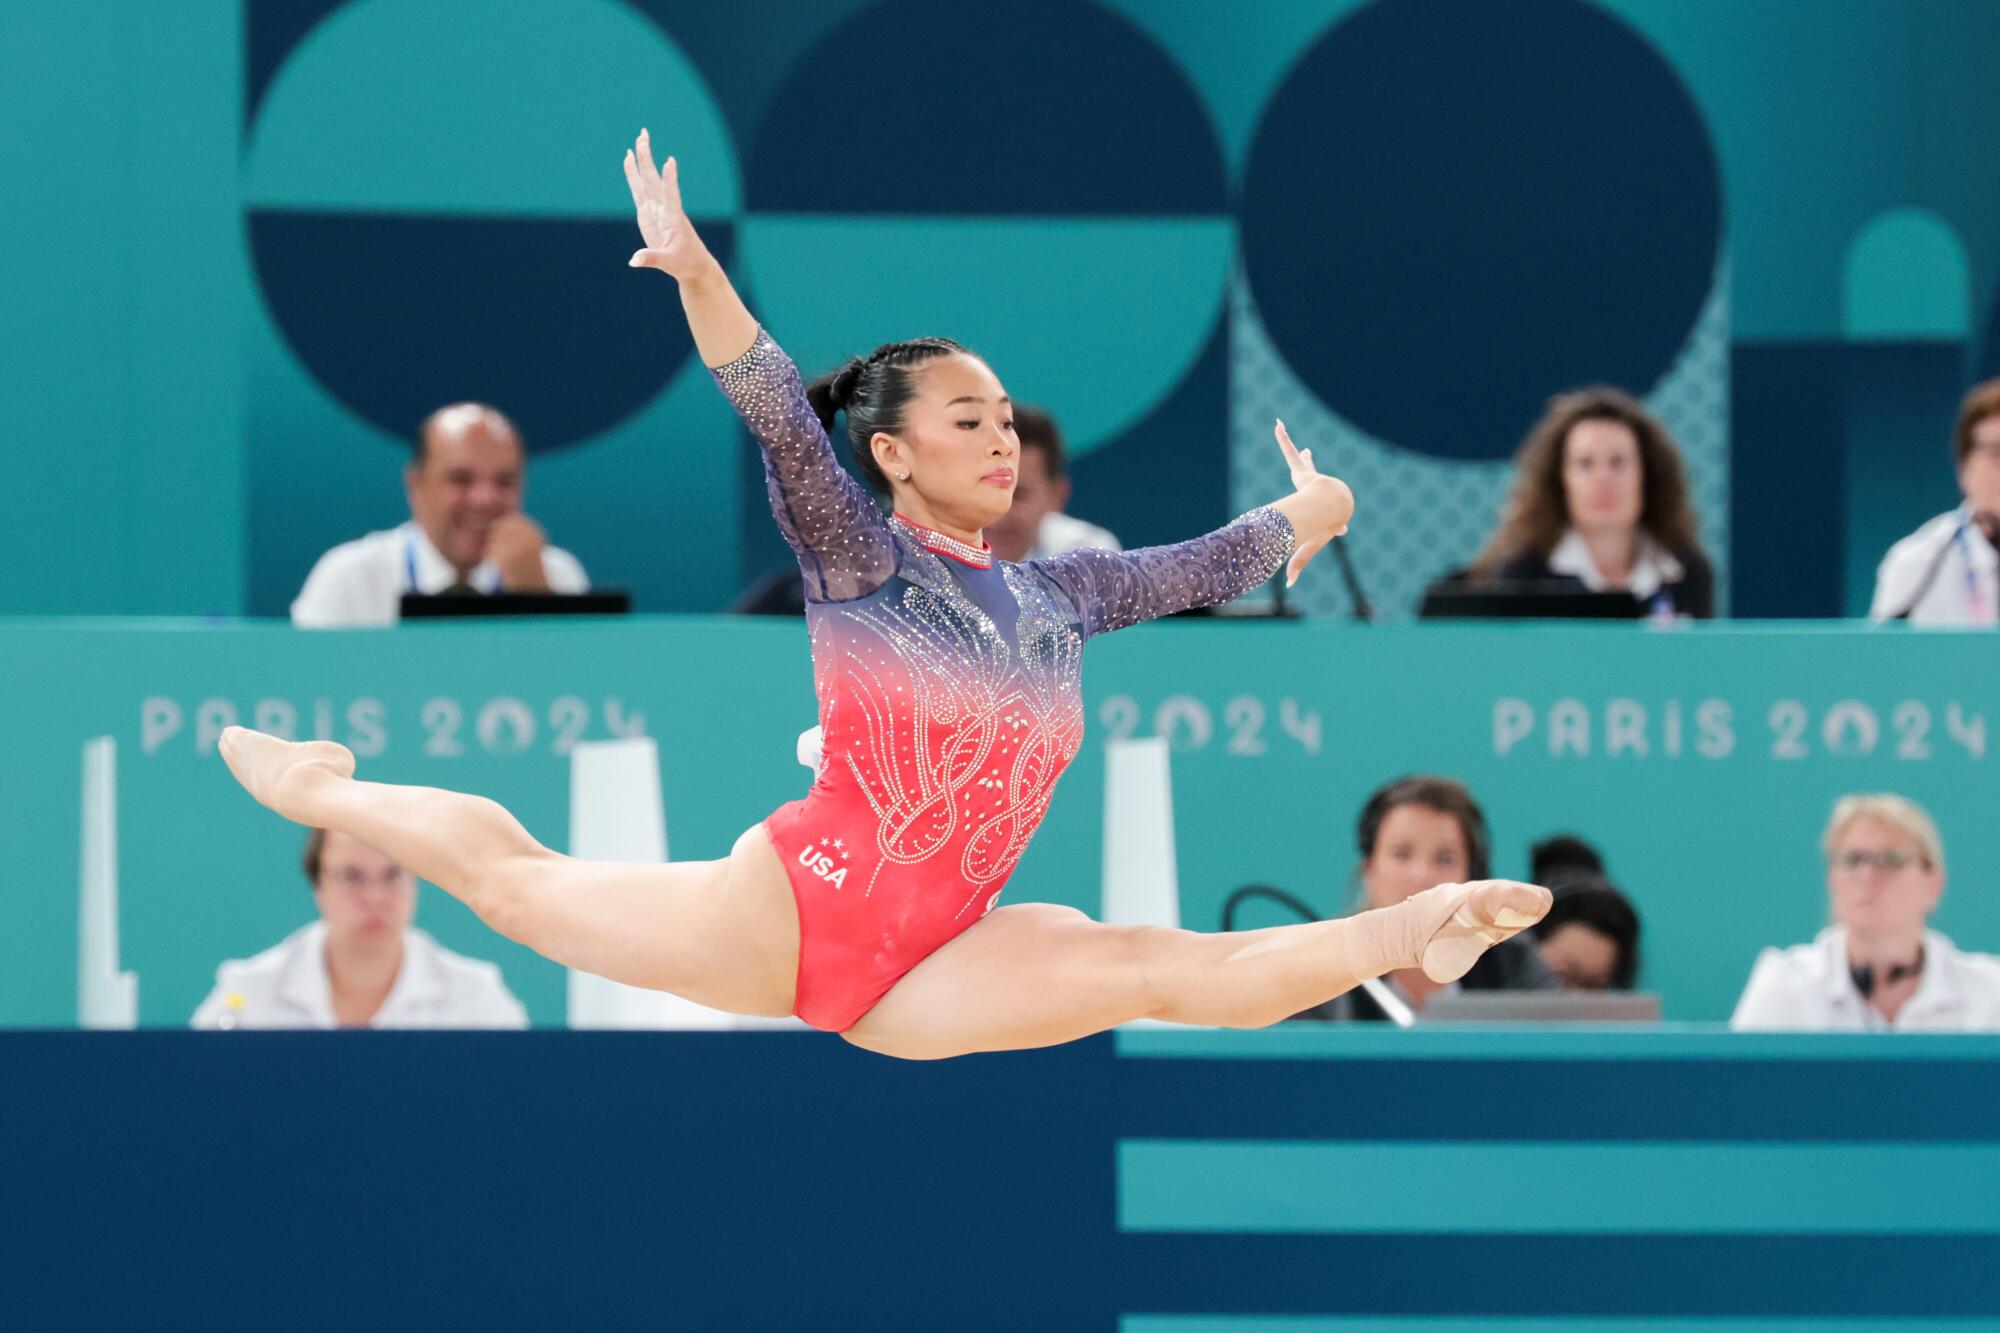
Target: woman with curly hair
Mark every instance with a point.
(1600, 501)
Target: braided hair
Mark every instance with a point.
(873, 390)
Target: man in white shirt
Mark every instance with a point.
(362, 964)
(1878, 968)
(1036, 526)
(466, 531)
(1948, 571)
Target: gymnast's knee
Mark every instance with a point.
(1155, 962)
(511, 888)
(1182, 979)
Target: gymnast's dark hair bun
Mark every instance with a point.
(873, 390)
(831, 393)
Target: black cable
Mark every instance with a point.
(1931, 575)
(1362, 610)
(1270, 891)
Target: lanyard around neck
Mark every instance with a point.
(1975, 597)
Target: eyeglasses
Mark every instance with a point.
(355, 879)
(1889, 861)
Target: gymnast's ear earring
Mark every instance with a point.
(902, 476)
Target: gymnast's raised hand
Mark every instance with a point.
(1319, 512)
(672, 246)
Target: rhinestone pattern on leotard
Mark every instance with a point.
(950, 695)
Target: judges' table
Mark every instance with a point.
(1702, 760)
(1459, 1179)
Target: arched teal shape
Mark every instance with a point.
(1907, 279)
(516, 108)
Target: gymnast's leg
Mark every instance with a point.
(1037, 974)
(722, 933)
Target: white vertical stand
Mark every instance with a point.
(105, 997)
(1391, 1003)
(1141, 878)
(616, 814)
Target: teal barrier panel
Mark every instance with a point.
(1601, 1178)
(1375, 1187)
(1501, 1323)
(1703, 761)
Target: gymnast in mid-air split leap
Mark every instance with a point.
(950, 701)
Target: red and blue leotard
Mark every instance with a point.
(950, 695)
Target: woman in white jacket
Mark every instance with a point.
(361, 964)
(1878, 967)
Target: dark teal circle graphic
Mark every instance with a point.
(1443, 224)
(435, 210)
(986, 110)
(398, 314)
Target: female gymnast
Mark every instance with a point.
(949, 700)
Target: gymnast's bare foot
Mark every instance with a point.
(1466, 920)
(283, 774)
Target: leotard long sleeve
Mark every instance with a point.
(950, 695)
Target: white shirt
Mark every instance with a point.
(362, 582)
(1966, 589)
(286, 986)
(1808, 988)
(1653, 566)
(1060, 532)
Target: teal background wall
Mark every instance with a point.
(1704, 763)
(247, 244)
(122, 408)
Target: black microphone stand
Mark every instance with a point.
(1362, 610)
(1931, 574)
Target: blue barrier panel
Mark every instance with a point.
(777, 1181)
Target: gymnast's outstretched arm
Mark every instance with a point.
(835, 528)
(1115, 589)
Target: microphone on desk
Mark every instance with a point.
(1281, 596)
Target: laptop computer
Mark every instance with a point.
(1542, 1006)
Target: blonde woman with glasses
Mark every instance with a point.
(1879, 967)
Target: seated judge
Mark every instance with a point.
(1880, 966)
(1600, 502)
(466, 531)
(360, 964)
(1413, 834)
(1947, 572)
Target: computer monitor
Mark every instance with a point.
(1551, 599)
(461, 605)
